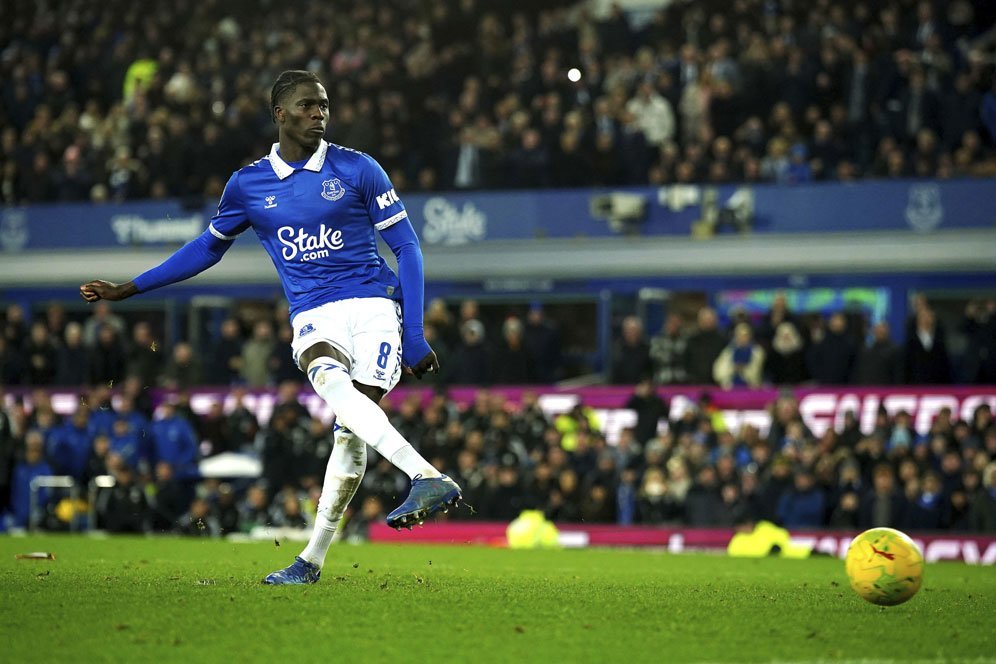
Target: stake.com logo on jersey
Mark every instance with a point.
(308, 246)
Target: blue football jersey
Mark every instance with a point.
(317, 223)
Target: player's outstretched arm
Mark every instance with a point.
(192, 258)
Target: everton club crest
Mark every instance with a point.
(333, 190)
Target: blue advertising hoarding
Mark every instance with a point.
(460, 218)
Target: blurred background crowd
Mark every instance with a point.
(518, 345)
(114, 101)
(507, 457)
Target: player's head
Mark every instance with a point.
(299, 106)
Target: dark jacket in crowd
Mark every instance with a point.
(878, 364)
(702, 350)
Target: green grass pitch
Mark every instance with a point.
(134, 599)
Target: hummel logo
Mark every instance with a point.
(271, 202)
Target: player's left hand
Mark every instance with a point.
(417, 357)
(428, 364)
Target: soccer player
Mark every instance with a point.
(315, 206)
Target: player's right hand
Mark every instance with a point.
(98, 289)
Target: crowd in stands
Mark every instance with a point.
(785, 348)
(113, 101)
(522, 348)
(507, 457)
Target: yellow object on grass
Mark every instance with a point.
(763, 540)
(531, 530)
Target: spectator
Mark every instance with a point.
(174, 441)
(785, 364)
(12, 367)
(598, 505)
(472, 359)
(831, 357)
(256, 355)
(529, 165)
(73, 364)
(226, 509)
(199, 521)
(7, 445)
(926, 360)
(143, 359)
(69, 445)
(184, 369)
(513, 366)
(704, 346)
(804, 505)
(108, 358)
(227, 354)
(883, 505)
(253, 511)
(703, 502)
(241, 425)
(656, 505)
(102, 316)
(33, 466)
(732, 510)
(42, 356)
(123, 508)
(288, 513)
(880, 362)
(653, 114)
(740, 363)
(542, 342)
(668, 352)
(845, 515)
(565, 500)
(631, 354)
(650, 410)
(979, 328)
(171, 499)
(929, 510)
(983, 516)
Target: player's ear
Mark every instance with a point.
(278, 114)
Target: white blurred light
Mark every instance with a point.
(573, 74)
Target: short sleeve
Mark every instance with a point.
(383, 204)
(231, 218)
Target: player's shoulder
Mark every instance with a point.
(255, 167)
(349, 161)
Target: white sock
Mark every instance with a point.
(365, 418)
(343, 475)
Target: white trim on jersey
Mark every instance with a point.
(314, 164)
(390, 221)
(218, 234)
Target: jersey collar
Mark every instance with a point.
(283, 170)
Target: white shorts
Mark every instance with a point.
(367, 330)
